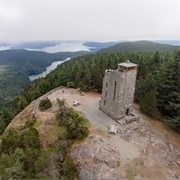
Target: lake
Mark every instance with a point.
(48, 70)
(64, 47)
(59, 47)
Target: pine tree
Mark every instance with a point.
(173, 104)
(148, 96)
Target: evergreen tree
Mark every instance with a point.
(5, 118)
(173, 97)
(10, 142)
(148, 96)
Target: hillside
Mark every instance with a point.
(38, 147)
(96, 46)
(139, 46)
(43, 148)
(17, 65)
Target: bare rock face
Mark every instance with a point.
(97, 158)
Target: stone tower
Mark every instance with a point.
(118, 90)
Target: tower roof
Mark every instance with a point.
(127, 64)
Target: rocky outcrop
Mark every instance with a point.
(157, 147)
(97, 158)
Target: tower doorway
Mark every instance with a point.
(127, 111)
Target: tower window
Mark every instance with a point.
(106, 93)
(104, 102)
(106, 84)
(131, 68)
(114, 90)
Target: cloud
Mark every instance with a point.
(89, 20)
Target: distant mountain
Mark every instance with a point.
(171, 42)
(34, 45)
(37, 60)
(96, 46)
(139, 46)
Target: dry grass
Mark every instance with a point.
(98, 131)
(145, 171)
(19, 121)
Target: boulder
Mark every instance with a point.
(97, 158)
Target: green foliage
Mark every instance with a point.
(32, 155)
(21, 103)
(130, 174)
(63, 143)
(43, 165)
(69, 170)
(5, 118)
(45, 104)
(22, 164)
(76, 130)
(19, 155)
(6, 161)
(74, 123)
(70, 84)
(15, 172)
(10, 142)
(174, 122)
(30, 138)
(52, 164)
(30, 123)
(169, 91)
(148, 97)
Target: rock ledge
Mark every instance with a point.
(97, 158)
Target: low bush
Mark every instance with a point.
(45, 104)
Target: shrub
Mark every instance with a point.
(69, 169)
(30, 123)
(45, 104)
(10, 142)
(5, 162)
(30, 138)
(70, 84)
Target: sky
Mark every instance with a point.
(94, 20)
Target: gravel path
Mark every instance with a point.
(89, 107)
(98, 118)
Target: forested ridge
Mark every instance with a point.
(139, 46)
(17, 65)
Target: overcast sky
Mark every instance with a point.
(89, 20)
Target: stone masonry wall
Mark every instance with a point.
(117, 105)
